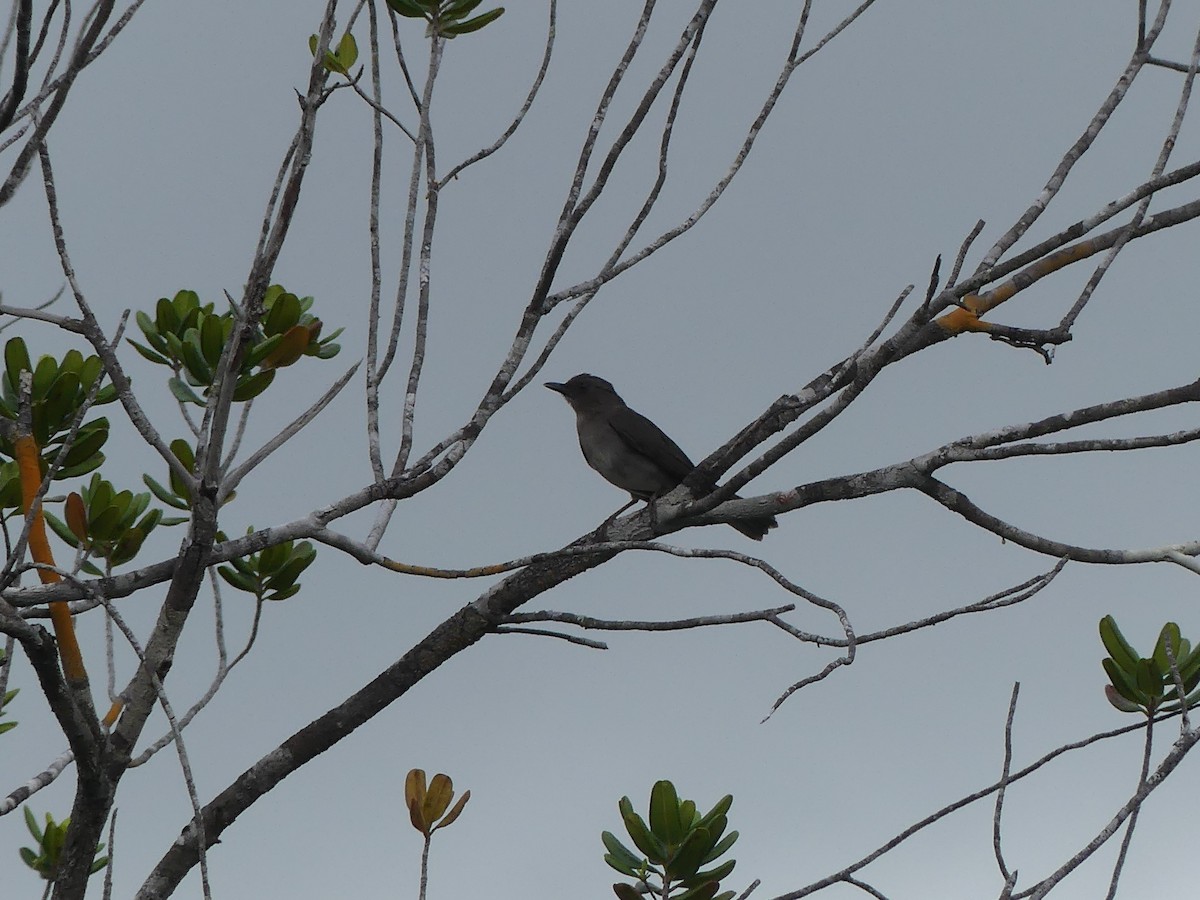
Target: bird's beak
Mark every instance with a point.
(556, 386)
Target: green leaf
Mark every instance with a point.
(1169, 633)
(620, 866)
(149, 354)
(717, 874)
(251, 387)
(292, 568)
(720, 808)
(193, 357)
(687, 815)
(145, 323)
(283, 314)
(687, 859)
(473, 24)
(59, 527)
(1150, 678)
(259, 351)
(166, 319)
(705, 891)
(63, 398)
(72, 361)
(212, 339)
(32, 824)
(664, 813)
(284, 594)
(105, 525)
(721, 848)
(1118, 648)
(271, 558)
(127, 546)
(643, 838)
(90, 464)
(347, 51)
(333, 64)
(185, 303)
(409, 8)
(187, 458)
(163, 494)
(88, 441)
(238, 580)
(183, 393)
(328, 351)
(16, 360)
(44, 374)
(1124, 683)
(620, 854)
(459, 8)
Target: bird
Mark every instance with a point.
(630, 451)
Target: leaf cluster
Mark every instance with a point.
(105, 522)
(341, 59)
(1147, 684)
(446, 18)
(675, 845)
(189, 337)
(59, 390)
(51, 839)
(273, 573)
(427, 804)
(176, 493)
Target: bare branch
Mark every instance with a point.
(592, 623)
(545, 632)
(962, 802)
(1081, 145)
(1174, 757)
(525, 107)
(289, 431)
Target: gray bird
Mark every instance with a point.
(630, 451)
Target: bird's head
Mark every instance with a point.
(585, 391)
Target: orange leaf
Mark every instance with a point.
(289, 349)
(77, 519)
(414, 816)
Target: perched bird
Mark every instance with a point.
(629, 450)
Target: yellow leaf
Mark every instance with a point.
(441, 792)
(414, 786)
(454, 813)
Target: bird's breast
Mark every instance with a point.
(618, 462)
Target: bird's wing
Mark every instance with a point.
(646, 438)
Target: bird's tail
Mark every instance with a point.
(755, 529)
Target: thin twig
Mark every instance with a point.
(521, 113)
(1004, 773)
(1080, 147)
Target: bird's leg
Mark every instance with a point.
(607, 522)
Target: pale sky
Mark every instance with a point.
(886, 148)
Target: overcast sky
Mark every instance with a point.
(886, 148)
